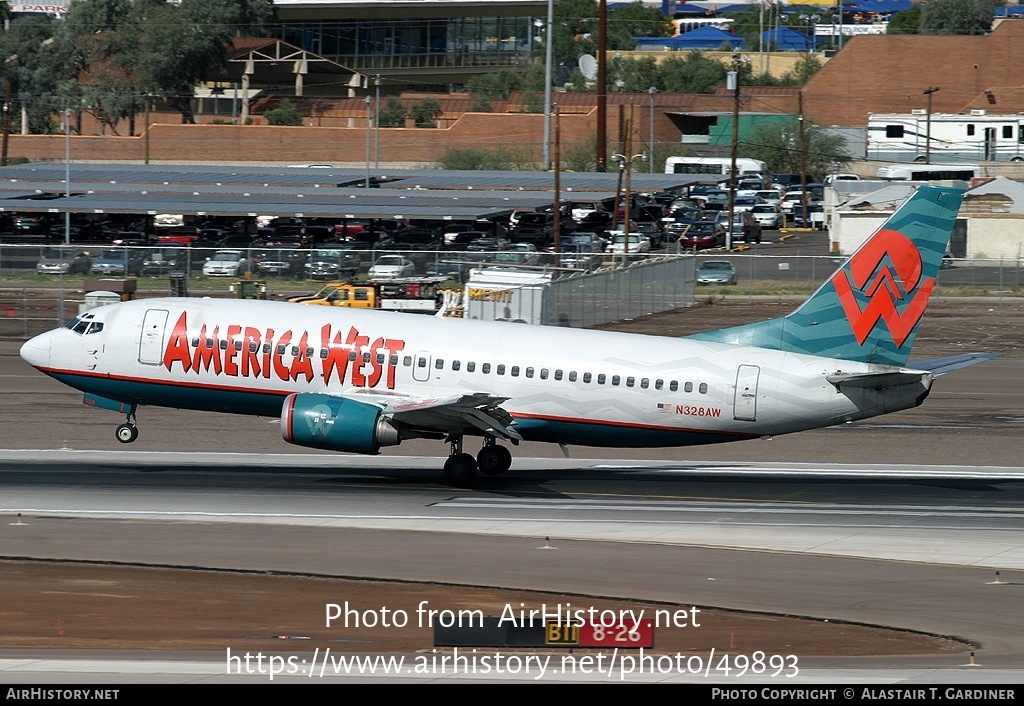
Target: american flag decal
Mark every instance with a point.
(665, 408)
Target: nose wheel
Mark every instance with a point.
(129, 431)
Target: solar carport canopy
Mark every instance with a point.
(302, 192)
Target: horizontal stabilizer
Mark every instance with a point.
(878, 381)
(941, 366)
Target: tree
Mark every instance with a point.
(635, 20)
(694, 73)
(779, 147)
(426, 112)
(285, 114)
(39, 68)
(394, 113)
(958, 16)
(906, 22)
(161, 48)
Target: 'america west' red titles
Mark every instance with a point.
(291, 355)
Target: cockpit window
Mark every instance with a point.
(81, 325)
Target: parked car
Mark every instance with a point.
(518, 254)
(392, 267)
(633, 243)
(703, 235)
(118, 261)
(226, 263)
(279, 261)
(815, 216)
(331, 263)
(67, 261)
(745, 228)
(159, 261)
(716, 272)
(768, 215)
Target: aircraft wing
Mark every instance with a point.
(941, 366)
(452, 414)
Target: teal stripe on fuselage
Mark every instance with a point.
(264, 404)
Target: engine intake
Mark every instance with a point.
(336, 424)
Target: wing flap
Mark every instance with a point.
(451, 415)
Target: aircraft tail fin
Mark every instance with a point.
(869, 310)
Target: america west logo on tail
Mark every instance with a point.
(887, 273)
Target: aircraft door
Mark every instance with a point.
(745, 399)
(151, 345)
(421, 367)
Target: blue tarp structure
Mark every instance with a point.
(1010, 11)
(880, 6)
(786, 39)
(703, 38)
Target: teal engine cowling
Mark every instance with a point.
(336, 424)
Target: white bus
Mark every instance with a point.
(928, 172)
(909, 137)
(720, 166)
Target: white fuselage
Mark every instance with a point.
(563, 385)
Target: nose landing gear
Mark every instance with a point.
(129, 431)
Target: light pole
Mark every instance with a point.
(650, 165)
(67, 174)
(928, 126)
(376, 123)
(368, 133)
(548, 47)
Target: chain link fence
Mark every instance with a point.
(42, 286)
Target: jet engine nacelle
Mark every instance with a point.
(336, 424)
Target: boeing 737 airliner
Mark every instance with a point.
(358, 380)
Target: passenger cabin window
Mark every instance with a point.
(439, 364)
(456, 365)
(688, 387)
(673, 386)
(407, 360)
(529, 372)
(703, 389)
(601, 378)
(470, 367)
(586, 378)
(615, 379)
(500, 370)
(1008, 132)
(658, 384)
(515, 371)
(544, 374)
(485, 368)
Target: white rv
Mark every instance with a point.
(974, 137)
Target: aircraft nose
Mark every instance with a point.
(36, 351)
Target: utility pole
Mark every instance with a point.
(733, 81)
(928, 126)
(602, 86)
(803, 156)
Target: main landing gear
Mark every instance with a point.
(461, 468)
(129, 431)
